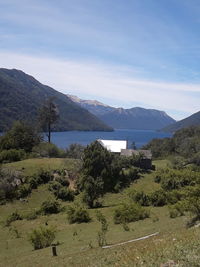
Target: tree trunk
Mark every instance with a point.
(49, 133)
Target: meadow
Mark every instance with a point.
(78, 244)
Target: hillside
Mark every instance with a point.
(120, 118)
(22, 95)
(77, 243)
(193, 120)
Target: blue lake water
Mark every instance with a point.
(140, 137)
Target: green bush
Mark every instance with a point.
(50, 207)
(34, 181)
(176, 210)
(158, 198)
(171, 179)
(129, 212)
(65, 194)
(42, 237)
(12, 155)
(75, 151)
(44, 176)
(9, 180)
(15, 216)
(54, 187)
(62, 180)
(23, 190)
(77, 215)
(47, 150)
(139, 197)
(92, 190)
(20, 136)
(31, 215)
(101, 237)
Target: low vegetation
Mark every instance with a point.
(42, 237)
(98, 199)
(77, 214)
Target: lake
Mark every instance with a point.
(140, 137)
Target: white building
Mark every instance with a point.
(113, 145)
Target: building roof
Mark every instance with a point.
(113, 145)
(129, 152)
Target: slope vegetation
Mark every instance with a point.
(193, 120)
(22, 95)
(120, 118)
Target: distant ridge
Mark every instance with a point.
(22, 95)
(133, 118)
(193, 120)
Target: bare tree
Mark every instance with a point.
(48, 115)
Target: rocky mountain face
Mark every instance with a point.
(95, 107)
(21, 96)
(120, 118)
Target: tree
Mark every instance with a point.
(92, 190)
(48, 115)
(20, 136)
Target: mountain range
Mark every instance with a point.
(193, 120)
(134, 118)
(22, 95)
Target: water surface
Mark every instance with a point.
(140, 137)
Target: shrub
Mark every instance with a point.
(24, 190)
(139, 197)
(101, 237)
(44, 176)
(63, 181)
(174, 196)
(54, 187)
(92, 190)
(65, 194)
(77, 215)
(20, 136)
(31, 216)
(47, 150)
(9, 180)
(34, 181)
(50, 207)
(193, 206)
(158, 198)
(15, 216)
(171, 179)
(176, 210)
(129, 212)
(75, 151)
(42, 237)
(12, 155)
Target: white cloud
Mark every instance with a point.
(102, 81)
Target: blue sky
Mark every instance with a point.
(122, 52)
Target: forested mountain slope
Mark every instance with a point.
(22, 95)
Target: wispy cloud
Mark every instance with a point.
(121, 52)
(114, 84)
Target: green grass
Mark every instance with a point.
(82, 249)
(30, 166)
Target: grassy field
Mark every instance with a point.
(78, 242)
(30, 166)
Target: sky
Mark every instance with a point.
(124, 53)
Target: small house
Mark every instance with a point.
(120, 147)
(115, 146)
(146, 156)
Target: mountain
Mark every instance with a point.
(22, 95)
(193, 120)
(120, 118)
(94, 106)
